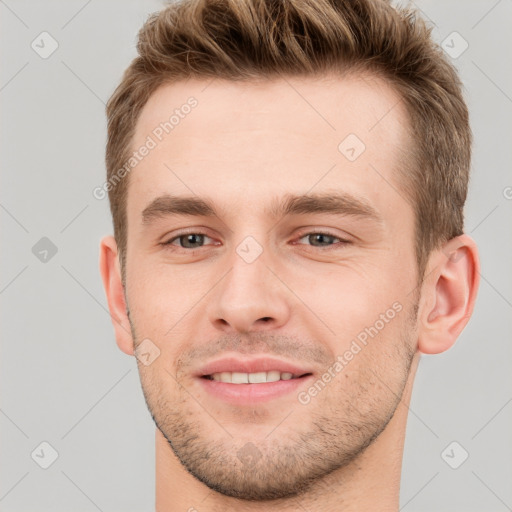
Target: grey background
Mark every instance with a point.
(63, 379)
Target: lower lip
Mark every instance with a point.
(247, 394)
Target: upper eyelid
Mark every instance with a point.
(319, 232)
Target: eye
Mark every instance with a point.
(323, 240)
(187, 241)
(196, 240)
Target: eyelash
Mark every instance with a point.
(342, 241)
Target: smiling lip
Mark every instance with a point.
(249, 394)
(254, 365)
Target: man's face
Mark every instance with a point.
(253, 293)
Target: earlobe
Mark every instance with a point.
(449, 294)
(111, 276)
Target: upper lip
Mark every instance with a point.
(253, 365)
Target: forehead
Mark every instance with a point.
(244, 142)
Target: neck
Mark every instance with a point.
(370, 482)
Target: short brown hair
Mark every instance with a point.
(255, 39)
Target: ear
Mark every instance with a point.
(448, 295)
(112, 282)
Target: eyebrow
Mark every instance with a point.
(330, 203)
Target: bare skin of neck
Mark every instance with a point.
(370, 482)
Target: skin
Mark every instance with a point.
(301, 300)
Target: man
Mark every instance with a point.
(287, 181)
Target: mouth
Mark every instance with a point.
(250, 381)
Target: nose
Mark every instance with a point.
(249, 298)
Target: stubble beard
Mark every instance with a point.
(325, 439)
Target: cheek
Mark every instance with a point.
(371, 375)
(159, 300)
(350, 302)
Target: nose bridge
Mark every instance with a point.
(249, 297)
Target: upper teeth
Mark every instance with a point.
(251, 378)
